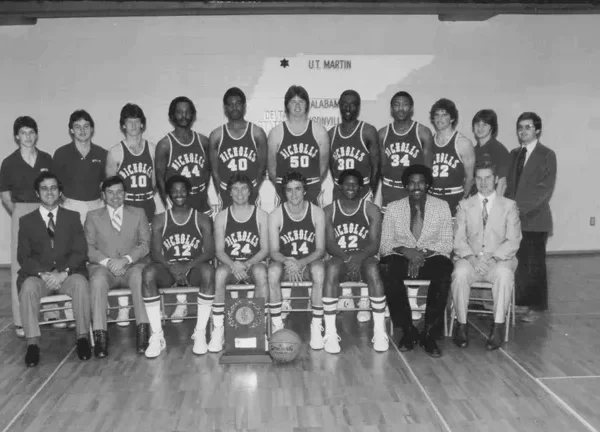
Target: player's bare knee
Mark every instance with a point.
(148, 281)
(317, 271)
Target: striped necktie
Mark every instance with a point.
(116, 221)
(484, 212)
(51, 227)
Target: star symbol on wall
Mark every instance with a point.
(284, 63)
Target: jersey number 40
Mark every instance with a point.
(237, 165)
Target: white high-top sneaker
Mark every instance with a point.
(331, 343)
(217, 337)
(156, 345)
(180, 313)
(316, 336)
(381, 341)
(200, 346)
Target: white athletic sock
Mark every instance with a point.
(329, 310)
(153, 311)
(205, 302)
(181, 298)
(378, 308)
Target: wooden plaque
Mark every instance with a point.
(245, 331)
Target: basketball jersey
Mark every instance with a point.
(138, 172)
(297, 237)
(351, 231)
(242, 238)
(188, 160)
(350, 152)
(181, 242)
(401, 151)
(237, 155)
(299, 153)
(448, 170)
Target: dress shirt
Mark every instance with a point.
(490, 199)
(44, 212)
(111, 214)
(530, 147)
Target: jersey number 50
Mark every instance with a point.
(299, 161)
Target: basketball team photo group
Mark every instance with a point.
(452, 213)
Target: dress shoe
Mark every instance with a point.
(100, 343)
(19, 331)
(84, 351)
(410, 337)
(143, 336)
(429, 343)
(494, 340)
(461, 335)
(32, 356)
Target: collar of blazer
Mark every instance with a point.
(105, 217)
(428, 218)
(474, 210)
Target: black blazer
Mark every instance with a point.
(35, 253)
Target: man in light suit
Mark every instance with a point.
(486, 242)
(530, 182)
(118, 238)
(416, 241)
(52, 251)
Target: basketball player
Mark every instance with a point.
(404, 142)
(298, 144)
(353, 230)
(297, 244)
(242, 246)
(132, 159)
(453, 156)
(354, 145)
(184, 152)
(237, 147)
(181, 249)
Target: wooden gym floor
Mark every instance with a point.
(546, 379)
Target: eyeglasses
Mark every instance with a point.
(525, 127)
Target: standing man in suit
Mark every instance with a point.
(118, 238)
(17, 174)
(416, 241)
(52, 252)
(531, 180)
(486, 242)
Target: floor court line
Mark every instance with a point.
(414, 375)
(569, 377)
(572, 313)
(558, 399)
(6, 326)
(38, 391)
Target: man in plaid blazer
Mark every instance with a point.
(416, 242)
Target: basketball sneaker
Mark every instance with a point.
(286, 307)
(200, 346)
(276, 326)
(123, 317)
(156, 345)
(316, 336)
(386, 314)
(363, 316)
(180, 313)
(216, 339)
(331, 343)
(381, 342)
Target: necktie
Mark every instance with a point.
(484, 212)
(417, 222)
(520, 164)
(51, 228)
(116, 221)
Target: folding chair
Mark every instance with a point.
(174, 290)
(60, 299)
(413, 297)
(120, 292)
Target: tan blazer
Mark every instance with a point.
(502, 234)
(104, 241)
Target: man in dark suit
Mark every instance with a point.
(52, 252)
(118, 238)
(530, 183)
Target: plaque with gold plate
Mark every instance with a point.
(245, 331)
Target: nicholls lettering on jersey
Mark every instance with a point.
(349, 152)
(402, 147)
(238, 152)
(186, 241)
(299, 149)
(295, 235)
(136, 168)
(242, 236)
(446, 159)
(188, 158)
(351, 228)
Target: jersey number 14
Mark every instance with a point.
(303, 249)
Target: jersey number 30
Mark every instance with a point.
(345, 164)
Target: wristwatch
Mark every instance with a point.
(67, 271)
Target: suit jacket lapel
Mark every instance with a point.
(105, 218)
(531, 164)
(495, 212)
(427, 219)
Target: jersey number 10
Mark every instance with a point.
(139, 181)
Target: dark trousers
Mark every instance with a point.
(531, 283)
(437, 269)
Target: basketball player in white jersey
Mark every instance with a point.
(404, 142)
(297, 245)
(237, 147)
(354, 145)
(132, 159)
(242, 246)
(453, 156)
(185, 152)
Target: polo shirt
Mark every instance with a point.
(80, 176)
(497, 153)
(17, 176)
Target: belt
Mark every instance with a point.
(448, 191)
(224, 185)
(393, 183)
(309, 181)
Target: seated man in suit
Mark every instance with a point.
(118, 238)
(487, 239)
(242, 245)
(416, 241)
(52, 252)
(181, 249)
